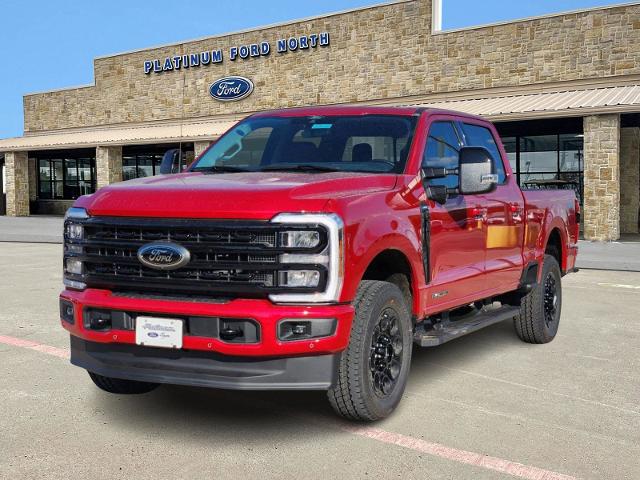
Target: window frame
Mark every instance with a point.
(52, 158)
(429, 137)
(498, 142)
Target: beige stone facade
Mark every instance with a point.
(602, 177)
(376, 53)
(385, 54)
(108, 165)
(17, 171)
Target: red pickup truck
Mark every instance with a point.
(312, 249)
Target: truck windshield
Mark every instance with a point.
(364, 143)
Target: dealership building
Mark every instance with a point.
(563, 90)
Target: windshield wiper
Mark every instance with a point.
(298, 168)
(220, 169)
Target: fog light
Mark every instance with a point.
(97, 320)
(300, 278)
(67, 312)
(294, 329)
(300, 239)
(74, 231)
(74, 266)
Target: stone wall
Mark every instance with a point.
(17, 172)
(602, 177)
(108, 165)
(629, 179)
(376, 53)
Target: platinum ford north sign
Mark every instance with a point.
(243, 52)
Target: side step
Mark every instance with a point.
(451, 329)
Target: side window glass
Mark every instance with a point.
(442, 150)
(478, 136)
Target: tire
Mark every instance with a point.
(401, 281)
(369, 388)
(121, 386)
(541, 308)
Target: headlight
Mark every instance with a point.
(74, 266)
(300, 278)
(73, 233)
(330, 258)
(300, 239)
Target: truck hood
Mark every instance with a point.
(255, 195)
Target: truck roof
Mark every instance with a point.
(356, 110)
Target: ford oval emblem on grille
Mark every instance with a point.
(164, 256)
(229, 89)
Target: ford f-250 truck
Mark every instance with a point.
(312, 249)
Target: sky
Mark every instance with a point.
(50, 44)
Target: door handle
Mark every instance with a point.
(479, 213)
(516, 212)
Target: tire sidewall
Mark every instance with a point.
(550, 267)
(391, 297)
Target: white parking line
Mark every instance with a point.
(619, 285)
(435, 449)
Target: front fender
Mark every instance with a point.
(370, 237)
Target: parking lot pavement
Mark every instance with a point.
(484, 406)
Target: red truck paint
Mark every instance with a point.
(381, 212)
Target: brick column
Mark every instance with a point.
(108, 165)
(17, 171)
(629, 179)
(602, 177)
(200, 147)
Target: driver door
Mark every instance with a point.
(457, 239)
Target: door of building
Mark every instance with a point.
(3, 188)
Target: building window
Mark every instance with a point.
(65, 175)
(144, 160)
(537, 160)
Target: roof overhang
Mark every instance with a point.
(564, 103)
(188, 131)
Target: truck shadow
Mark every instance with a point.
(243, 416)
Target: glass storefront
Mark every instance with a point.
(65, 175)
(546, 154)
(144, 160)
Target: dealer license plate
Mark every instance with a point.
(159, 332)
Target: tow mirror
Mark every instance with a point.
(476, 172)
(171, 162)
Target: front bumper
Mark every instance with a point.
(265, 313)
(204, 369)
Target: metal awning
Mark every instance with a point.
(125, 135)
(576, 102)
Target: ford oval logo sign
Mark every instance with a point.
(231, 89)
(163, 256)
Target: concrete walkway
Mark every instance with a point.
(623, 255)
(35, 229)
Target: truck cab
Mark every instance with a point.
(313, 249)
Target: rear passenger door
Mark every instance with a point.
(503, 211)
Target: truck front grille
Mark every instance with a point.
(228, 258)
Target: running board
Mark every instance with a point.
(452, 329)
